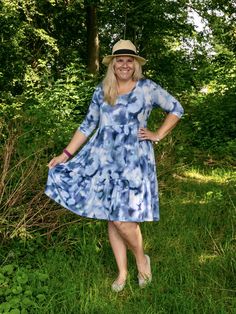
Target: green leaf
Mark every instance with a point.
(43, 277)
(5, 307)
(22, 278)
(15, 311)
(41, 297)
(27, 301)
(7, 269)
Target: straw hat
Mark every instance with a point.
(123, 48)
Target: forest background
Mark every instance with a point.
(50, 62)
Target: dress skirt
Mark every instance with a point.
(113, 177)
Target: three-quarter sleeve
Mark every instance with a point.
(161, 98)
(91, 120)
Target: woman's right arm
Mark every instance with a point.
(83, 132)
(77, 140)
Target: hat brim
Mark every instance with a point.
(107, 59)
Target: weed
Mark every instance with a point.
(22, 289)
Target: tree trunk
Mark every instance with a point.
(92, 39)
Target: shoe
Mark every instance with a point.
(144, 281)
(117, 287)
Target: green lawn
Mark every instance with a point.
(192, 252)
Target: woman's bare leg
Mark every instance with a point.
(131, 234)
(120, 251)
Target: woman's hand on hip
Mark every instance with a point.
(57, 160)
(145, 134)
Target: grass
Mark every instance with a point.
(192, 251)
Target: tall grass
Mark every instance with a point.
(192, 251)
(192, 248)
(24, 207)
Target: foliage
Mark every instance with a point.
(212, 124)
(23, 44)
(24, 207)
(48, 111)
(22, 289)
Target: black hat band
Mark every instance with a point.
(125, 52)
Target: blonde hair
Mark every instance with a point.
(110, 87)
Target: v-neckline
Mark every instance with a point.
(129, 92)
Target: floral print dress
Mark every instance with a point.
(113, 176)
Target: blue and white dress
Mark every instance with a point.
(113, 176)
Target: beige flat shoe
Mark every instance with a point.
(144, 281)
(116, 287)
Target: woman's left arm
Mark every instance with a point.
(161, 98)
(168, 124)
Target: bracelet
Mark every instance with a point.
(68, 154)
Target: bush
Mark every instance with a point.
(48, 111)
(212, 123)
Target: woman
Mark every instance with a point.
(113, 177)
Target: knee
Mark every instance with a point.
(121, 226)
(118, 224)
(124, 226)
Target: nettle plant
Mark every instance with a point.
(22, 289)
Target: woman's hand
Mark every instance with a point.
(57, 160)
(145, 134)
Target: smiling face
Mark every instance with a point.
(124, 68)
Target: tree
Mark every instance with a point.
(92, 37)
